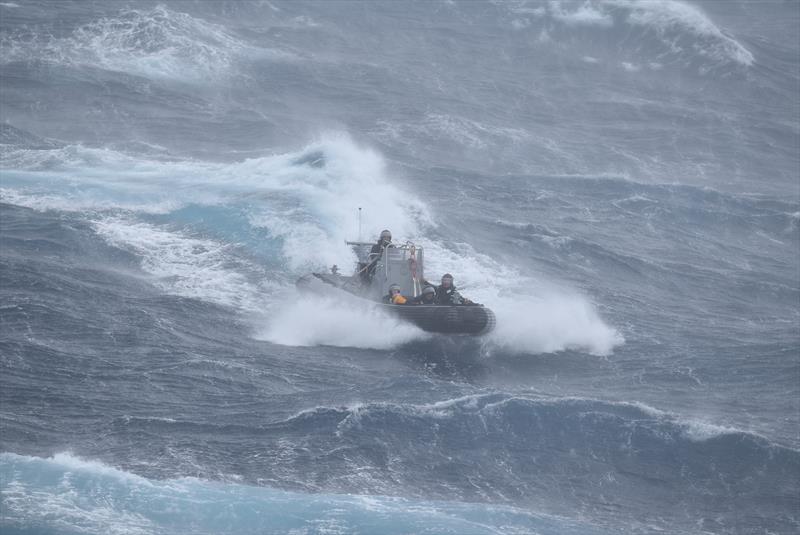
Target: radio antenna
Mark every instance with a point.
(359, 223)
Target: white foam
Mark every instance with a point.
(480, 403)
(552, 323)
(665, 16)
(308, 201)
(668, 20)
(585, 15)
(533, 316)
(104, 506)
(328, 196)
(698, 431)
(78, 178)
(310, 321)
(466, 132)
(41, 202)
(304, 21)
(158, 43)
(470, 402)
(183, 265)
(520, 24)
(63, 508)
(693, 429)
(70, 462)
(312, 208)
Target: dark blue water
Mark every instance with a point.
(618, 180)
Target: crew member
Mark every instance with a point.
(394, 296)
(384, 241)
(446, 293)
(427, 297)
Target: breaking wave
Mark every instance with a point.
(301, 206)
(653, 33)
(158, 43)
(66, 494)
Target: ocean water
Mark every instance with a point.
(619, 181)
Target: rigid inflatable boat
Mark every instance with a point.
(402, 265)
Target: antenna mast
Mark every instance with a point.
(359, 223)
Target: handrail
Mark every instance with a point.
(407, 248)
(406, 245)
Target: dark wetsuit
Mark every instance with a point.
(375, 254)
(448, 296)
(418, 300)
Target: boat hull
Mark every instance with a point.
(459, 319)
(445, 319)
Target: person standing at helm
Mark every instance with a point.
(394, 297)
(384, 241)
(446, 293)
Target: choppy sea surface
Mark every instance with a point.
(618, 180)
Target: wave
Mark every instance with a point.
(188, 266)
(506, 454)
(300, 207)
(557, 437)
(664, 205)
(11, 137)
(66, 494)
(616, 421)
(343, 322)
(307, 199)
(653, 34)
(463, 131)
(159, 43)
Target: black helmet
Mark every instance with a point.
(428, 290)
(447, 276)
(386, 235)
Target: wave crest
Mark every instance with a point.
(159, 43)
(66, 494)
(653, 32)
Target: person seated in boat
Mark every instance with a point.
(446, 293)
(384, 241)
(394, 297)
(427, 297)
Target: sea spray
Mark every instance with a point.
(336, 321)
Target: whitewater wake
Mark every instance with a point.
(302, 206)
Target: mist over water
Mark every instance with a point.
(617, 180)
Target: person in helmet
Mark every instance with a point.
(427, 297)
(384, 241)
(446, 293)
(394, 296)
